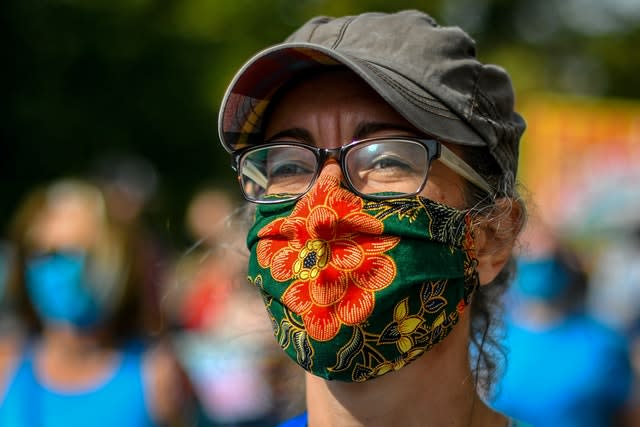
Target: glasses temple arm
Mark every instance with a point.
(253, 173)
(462, 168)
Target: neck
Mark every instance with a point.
(68, 359)
(68, 342)
(438, 389)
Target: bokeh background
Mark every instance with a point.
(85, 80)
(126, 93)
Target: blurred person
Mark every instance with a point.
(208, 216)
(227, 352)
(614, 291)
(129, 183)
(564, 368)
(203, 276)
(6, 254)
(88, 359)
(380, 156)
(11, 329)
(8, 320)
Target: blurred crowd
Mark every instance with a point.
(103, 323)
(572, 355)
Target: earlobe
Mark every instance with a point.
(490, 264)
(495, 238)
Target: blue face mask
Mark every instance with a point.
(543, 279)
(60, 292)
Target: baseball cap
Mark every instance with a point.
(428, 73)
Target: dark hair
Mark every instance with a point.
(573, 298)
(486, 308)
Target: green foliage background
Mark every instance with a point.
(84, 77)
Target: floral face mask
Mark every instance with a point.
(355, 288)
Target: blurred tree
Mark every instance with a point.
(147, 75)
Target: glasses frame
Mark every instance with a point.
(435, 150)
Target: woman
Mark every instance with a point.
(86, 361)
(381, 157)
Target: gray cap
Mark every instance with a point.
(427, 73)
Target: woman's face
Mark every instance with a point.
(73, 273)
(335, 108)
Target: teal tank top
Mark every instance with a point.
(117, 401)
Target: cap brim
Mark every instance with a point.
(259, 79)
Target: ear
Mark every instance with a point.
(495, 237)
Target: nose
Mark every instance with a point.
(330, 158)
(332, 167)
(331, 171)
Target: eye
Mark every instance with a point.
(289, 168)
(289, 161)
(390, 162)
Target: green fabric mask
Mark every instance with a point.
(355, 288)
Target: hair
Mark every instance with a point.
(487, 307)
(574, 296)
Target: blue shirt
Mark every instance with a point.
(575, 373)
(117, 401)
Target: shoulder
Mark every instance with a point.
(160, 363)
(164, 381)
(10, 351)
(12, 355)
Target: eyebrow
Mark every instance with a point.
(295, 133)
(363, 130)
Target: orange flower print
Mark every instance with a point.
(334, 252)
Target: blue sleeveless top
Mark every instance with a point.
(118, 401)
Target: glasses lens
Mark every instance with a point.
(282, 171)
(390, 165)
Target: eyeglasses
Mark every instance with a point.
(282, 170)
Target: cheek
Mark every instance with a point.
(445, 186)
(448, 193)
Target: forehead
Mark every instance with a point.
(328, 78)
(67, 221)
(335, 91)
